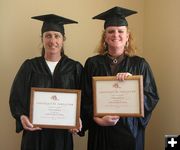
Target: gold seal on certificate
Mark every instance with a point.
(55, 108)
(114, 97)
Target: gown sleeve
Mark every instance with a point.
(19, 94)
(151, 98)
(78, 74)
(86, 103)
(150, 93)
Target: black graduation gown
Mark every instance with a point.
(128, 133)
(36, 73)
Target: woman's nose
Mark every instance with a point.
(116, 33)
(52, 39)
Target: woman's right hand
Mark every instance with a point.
(27, 125)
(107, 120)
(122, 75)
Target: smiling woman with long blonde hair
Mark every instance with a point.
(116, 57)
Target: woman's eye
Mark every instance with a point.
(120, 31)
(111, 31)
(57, 36)
(48, 36)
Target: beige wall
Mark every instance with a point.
(156, 33)
(161, 47)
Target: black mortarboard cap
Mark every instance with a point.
(52, 22)
(115, 16)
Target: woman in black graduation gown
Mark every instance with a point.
(116, 57)
(52, 70)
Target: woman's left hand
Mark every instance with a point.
(121, 76)
(76, 130)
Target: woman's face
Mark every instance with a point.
(116, 37)
(52, 42)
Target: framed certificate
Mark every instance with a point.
(114, 97)
(55, 108)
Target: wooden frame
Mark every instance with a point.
(55, 108)
(114, 97)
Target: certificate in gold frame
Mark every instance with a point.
(55, 108)
(114, 97)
